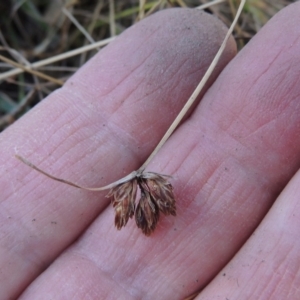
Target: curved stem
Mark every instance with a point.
(197, 91)
(97, 189)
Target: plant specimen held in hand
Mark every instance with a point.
(154, 190)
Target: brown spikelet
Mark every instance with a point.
(123, 202)
(156, 196)
(147, 213)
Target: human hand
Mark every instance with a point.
(229, 161)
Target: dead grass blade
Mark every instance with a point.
(33, 72)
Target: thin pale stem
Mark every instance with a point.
(56, 58)
(112, 24)
(209, 4)
(78, 25)
(196, 92)
(106, 187)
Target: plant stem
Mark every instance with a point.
(196, 92)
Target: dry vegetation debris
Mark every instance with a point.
(42, 43)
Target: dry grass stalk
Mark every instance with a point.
(34, 72)
(156, 192)
(57, 58)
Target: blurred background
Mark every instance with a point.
(42, 43)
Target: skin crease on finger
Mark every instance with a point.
(100, 126)
(267, 267)
(229, 162)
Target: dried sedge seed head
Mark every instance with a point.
(156, 195)
(123, 202)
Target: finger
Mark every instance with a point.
(100, 126)
(229, 161)
(267, 267)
